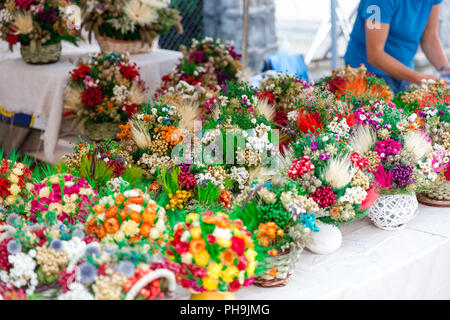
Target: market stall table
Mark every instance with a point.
(412, 263)
(38, 89)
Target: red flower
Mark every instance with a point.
(101, 270)
(447, 172)
(242, 263)
(92, 96)
(4, 186)
(238, 245)
(269, 96)
(129, 72)
(131, 109)
(166, 78)
(4, 254)
(12, 38)
(80, 73)
(210, 238)
(235, 285)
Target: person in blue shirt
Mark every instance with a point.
(387, 34)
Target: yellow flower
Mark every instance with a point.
(248, 242)
(251, 268)
(191, 217)
(222, 214)
(230, 273)
(54, 179)
(250, 254)
(10, 199)
(130, 228)
(196, 232)
(186, 258)
(14, 189)
(44, 192)
(202, 258)
(223, 242)
(119, 236)
(13, 178)
(17, 171)
(210, 284)
(214, 270)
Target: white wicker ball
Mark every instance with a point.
(392, 212)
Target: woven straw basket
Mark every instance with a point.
(392, 212)
(283, 262)
(46, 54)
(108, 44)
(437, 196)
(102, 131)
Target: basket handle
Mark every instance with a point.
(145, 280)
(7, 230)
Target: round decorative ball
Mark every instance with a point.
(327, 240)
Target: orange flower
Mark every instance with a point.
(120, 198)
(147, 118)
(134, 239)
(101, 233)
(149, 216)
(223, 223)
(137, 200)
(123, 214)
(227, 257)
(112, 225)
(145, 229)
(197, 246)
(334, 211)
(99, 208)
(135, 216)
(111, 212)
(210, 219)
(273, 272)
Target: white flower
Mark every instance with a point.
(222, 233)
(140, 13)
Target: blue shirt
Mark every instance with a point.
(407, 20)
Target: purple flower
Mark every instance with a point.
(402, 175)
(87, 272)
(126, 268)
(314, 145)
(14, 247)
(56, 245)
(323, 156)
(198, 56)
(47, 16)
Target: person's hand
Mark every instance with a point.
(422, 76)
(446, 71)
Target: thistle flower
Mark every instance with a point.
(339, 172)
(78, 233)
(56, 245)
(11, 219)
(363, 139)
(125, 268)
(418, 144)
(86, 273)
(14, 247)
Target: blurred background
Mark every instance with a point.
(280, 26)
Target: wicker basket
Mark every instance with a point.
(46, 54)
(283, 263)
(437, 196)
(108, 44)
(102, 131)
(392, 212)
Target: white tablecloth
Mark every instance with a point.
(38, 90)
(412, 263)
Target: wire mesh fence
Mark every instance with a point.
(192, 13)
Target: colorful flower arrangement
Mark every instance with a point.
(356, 86)
(129, 19)
(206, 65)
(61, 195)
(216, 253)
(282, 89)
(104, 88)
(401, 156)
(128, 218)
(39, 23)
(101, 163)
(335, 179)
(14, 176)
(34, 257)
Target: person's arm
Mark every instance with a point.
(431, 44)
(375, 42)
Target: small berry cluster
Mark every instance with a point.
(300, 166)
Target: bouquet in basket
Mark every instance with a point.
(103, 164)
(400, 155)
(34, 257)
(282, 89)
(39, 23)
(282, 220)
(334, 178)
(130, 20)
(102, 89)
(216, 253)
(356, 86)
